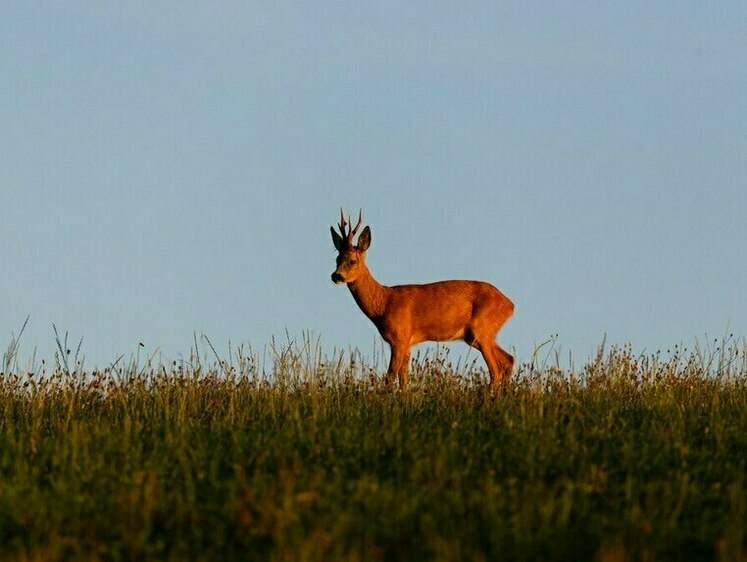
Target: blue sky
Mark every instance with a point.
(173, 167)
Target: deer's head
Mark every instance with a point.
(351, 257)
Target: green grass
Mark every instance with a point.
(628, 458)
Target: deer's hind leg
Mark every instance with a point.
(491, 357)
(506, 364)
(481, 335)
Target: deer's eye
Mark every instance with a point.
(352, 262)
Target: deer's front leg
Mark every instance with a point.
(399, 364)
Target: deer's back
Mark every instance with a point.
(453, 291)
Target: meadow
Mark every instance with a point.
(310, 457)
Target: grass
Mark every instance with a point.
(628, 458)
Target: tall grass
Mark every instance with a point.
(312, 458)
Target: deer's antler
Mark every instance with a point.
(357, 226)
(351, 231)
(341, 225)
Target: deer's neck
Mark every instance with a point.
(370, 295)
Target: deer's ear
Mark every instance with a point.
(336, 239)
(364, 240)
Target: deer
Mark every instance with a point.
(405, 315)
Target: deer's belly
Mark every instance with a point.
(439, 335)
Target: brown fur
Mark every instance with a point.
(472, 311)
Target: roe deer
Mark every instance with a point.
(472, 311)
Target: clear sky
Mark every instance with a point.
(174, 167)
